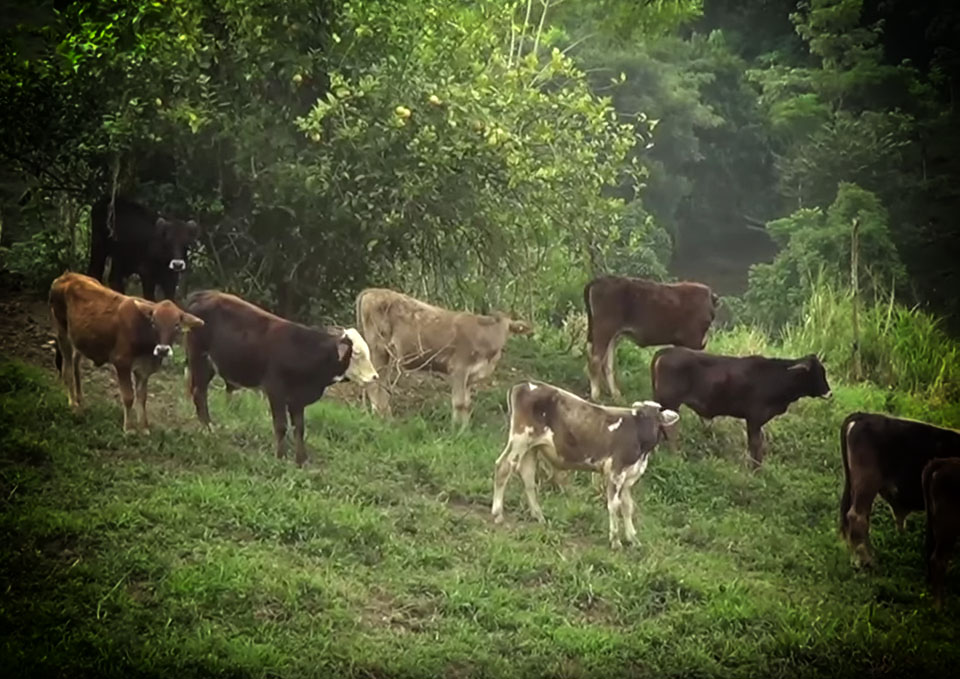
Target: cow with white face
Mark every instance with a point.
(572, 433)
(292, 364)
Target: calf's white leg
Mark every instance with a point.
(613, 506)
(501, 475)
(528, 472)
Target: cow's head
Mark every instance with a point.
(651, 411)
(167, 321)
(353, 348)
(813, 376)
(174, 239)
(699, 314)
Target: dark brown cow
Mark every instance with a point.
(885, 455)
(649, 313)
(571, 433)
(140, 242)
(249, 347)
(752, 388)
(407, 334)
(941, 497)
(130, 333)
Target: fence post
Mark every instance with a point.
(855, 286)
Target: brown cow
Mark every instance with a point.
(647, 312)
(249, 347)
(752, 388)
(571, 433)
(130, 333)
(885, 455)
(941, 497)
(407, 334)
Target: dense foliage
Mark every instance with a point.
(493, 154)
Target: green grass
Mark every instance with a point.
(186, 553)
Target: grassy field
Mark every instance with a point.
(187, 553)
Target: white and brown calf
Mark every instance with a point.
(572, 433)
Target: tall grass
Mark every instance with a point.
(902, 347)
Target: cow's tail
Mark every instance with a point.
(586, 302)
(358, 309)
(99, 240)
(653, 375)
(58, 313)
(845, 499)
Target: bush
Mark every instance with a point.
(816, 244)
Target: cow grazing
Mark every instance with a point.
(649, 313)
(571, 433)
(407, 334)
(293, 364)
(141, 242)
(885, 455)
(131, 334)
(751, 388)
(941, 497)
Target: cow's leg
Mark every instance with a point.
(296, 418)
(149, 283)
(75, 376)
(939, 560)
(460, 398)
(609, 371)
(199, 373)
(858, 525)
(279, 412)
(168, 284)
(140, 378)
(376, 391)
(596, 359)
(126, 395)
(501, 475)
(755, 443)
(69, 368)
(613, 503)
(899, 516)
(528, 472)
(627, 507)
(117, 277)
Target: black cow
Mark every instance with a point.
(141, 242)
(751, 388)
(885, 455)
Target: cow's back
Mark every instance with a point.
(652, 313)
(899, 449)
(235, 334)
(422, 335)
(134, 224)
(89, 312)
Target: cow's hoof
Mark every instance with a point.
(615, 545)
(498, 519)
(540, 518)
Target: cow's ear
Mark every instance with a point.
(668, 418)
(344, 347)
(162, 224)
(189, 321)
(145, 308)
(193, 226)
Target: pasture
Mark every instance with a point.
(191, 553)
